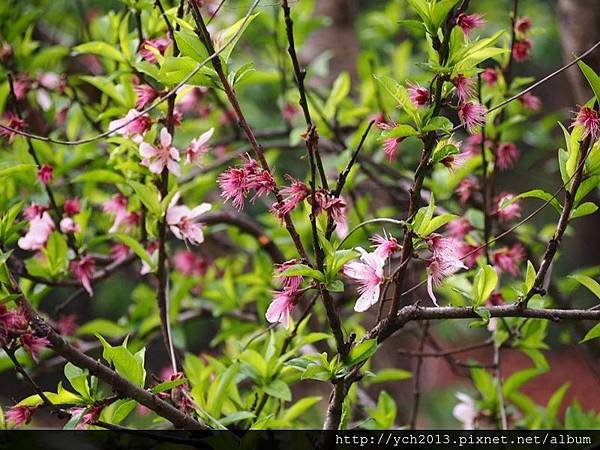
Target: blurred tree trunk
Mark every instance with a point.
(579, 22)
(339, 37)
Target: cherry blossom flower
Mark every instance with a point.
(507, 155)
(133, 125)
(507, 259)
(336, 208)
(293, 282)
(144, 95)
(116, 206)
(445, 261)
(468, 253)
(368, 273)
(198, 147)
(391, 145)
(465, 411)
(292, 196)
(71, 206)
(466, 188)
(530, 102)
(418, 94)
(68, 225)
(521, 50)
(237, 182)
(455, 161)
(467, 22)
(21, 85)
(281, 307)
(83, 270)
(506, 208)
(44, 174)
(159, 44)
(14, 122)
(119, 251)
(522, 24)
(40, 227)
(464, 88)
(459, 228)
(90, 417)
(490, 76)
(189, 101)
(385, 246)
(472, 115)
(190, 263)
(34, 344)
(161, 156)
(19, 415)
(183, 221)
(589, 119)
(66, 324)
(151, 248)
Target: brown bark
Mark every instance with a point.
(579, 22)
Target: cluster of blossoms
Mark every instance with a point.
(522, 45)
(368, 272)
(237, 182)
(15, 331)
(446, 259)
(284, 300)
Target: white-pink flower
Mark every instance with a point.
(465, 411)
(385, 245)
(183, 221)
(156, 158)
(68, 225)
(198, 147)
(445, 261)
(368, 272)
(40, 228)
(281, 307)
(132, 125)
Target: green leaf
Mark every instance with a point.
(168, 385)
(100, 176)
(386, 375)
(361, 352)
(441, 10)
(190, 45)
(103, 327)
(335, 286)
(339, 91)
(554, 404)
(400, 94)
(588, 282)
(148, 196)
(518, 379)
(56, 253)
(484, 284)
(399, 131)
(592, 78)
(385, 412)
(438, 222)
(219, 391)
(61, 397)
(137, 248)
(585, 209)
(316, 372)
(175, 69)
(594, 333)
(302, 270)
(78, 379)
(542, 195)
(529, 276)
(107, 87)
(17, 169)
(101, 49)
(227, 34)
(279, 389)
(126, 364)
(298, 408)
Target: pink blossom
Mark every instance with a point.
(368, 273)
(189, 101)
(44, 174)
(156, 158)
(466, 188)
(490, 76)
(144, 95)
(83, 269)
(391, 145)
(385, 246)
(465, 411)
(289, 111)
(159, 44)
(472, 115)
(90, 417)
(237, 182)
(68, 225)
(293, 195)
(473, 144)
(119, 251)
(531, 102)
(14, 122)
(589, 119)
(507, 259)
(21, 85)
(506, 208)
(456, 160)
(281, 307)
(507, 155)
(71, 206)
(189, 263)
(66, 324)
(133, 125)
(459, 228)
(116, 206)
(521, 50)
(198, 147)
(464, 88)
(467, 22)
(40, 227)
(522, 24)
(445, 261)
(19, 415)
(52, 81)
(418, 94)
(183, 221)
(34, 345)
(290, 283)
(469, 253)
